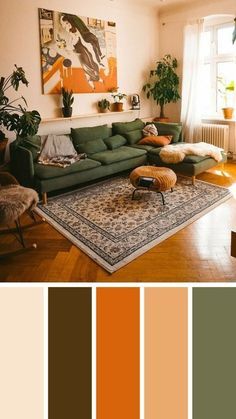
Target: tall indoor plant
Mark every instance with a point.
(163, 85)
(15, 117)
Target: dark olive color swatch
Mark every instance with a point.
(214, 353)
(69, 353)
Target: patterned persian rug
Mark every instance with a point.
(113, 230)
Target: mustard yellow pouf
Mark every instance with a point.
(157, 179)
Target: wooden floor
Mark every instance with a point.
(199, 252)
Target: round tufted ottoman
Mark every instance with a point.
(161, 179)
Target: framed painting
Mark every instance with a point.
(77, 53)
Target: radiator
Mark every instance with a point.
(216, 134)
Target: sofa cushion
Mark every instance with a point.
(142, 146)
(115, 141)
(194, 159)
(123, 127)
(91, 147)
(134, 136)
(156, 140)
(170, 128)
(48, 172)
(33, 144)
(80, 135)
(119, 154)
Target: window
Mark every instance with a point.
(219, 64)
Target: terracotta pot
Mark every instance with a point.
(103, 110)
(228, 113)
(118, 107)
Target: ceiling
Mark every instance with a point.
(166, 4)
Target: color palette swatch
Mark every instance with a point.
(117, 353)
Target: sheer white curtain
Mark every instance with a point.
(191, 84)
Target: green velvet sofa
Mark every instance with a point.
(108, 153)
(110, 150)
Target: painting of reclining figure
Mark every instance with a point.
(78, 53)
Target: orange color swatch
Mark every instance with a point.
(118, 353)
(166, 359)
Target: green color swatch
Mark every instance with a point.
(214, 353)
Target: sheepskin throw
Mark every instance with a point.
(176, 153)
(14, 201)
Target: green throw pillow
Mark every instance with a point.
(123, 127)
(115, 141)
(33, 144)
(82, 135)
(169, 128)
(134, 136)
(92, 147)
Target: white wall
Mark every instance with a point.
(137, 48)
(172, 24)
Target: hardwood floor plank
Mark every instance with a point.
(200, 252)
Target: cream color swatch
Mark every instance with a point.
(21, 353)
(166, 359)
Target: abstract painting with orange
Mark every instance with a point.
(77, 53)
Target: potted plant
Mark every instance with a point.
(163, 85)
(15, 117)
(68, 100)
(104, 105)
(118, 99)
(225, 89)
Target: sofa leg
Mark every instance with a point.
(44, 198)
(193, 180)
(233, 243)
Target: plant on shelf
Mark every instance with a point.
(15, 117)
(225, 89)
(68, 100)
(163, 85)
(118, 99)
(104, 105)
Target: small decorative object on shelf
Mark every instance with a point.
(164, 84)
(68, 100)
(226, 90)
(103, 105)
(15, 117)
(135, 102)
(118, 99)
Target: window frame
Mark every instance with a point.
(214, 59)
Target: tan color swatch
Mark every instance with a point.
(117, 353)
(21, 353)
(166, 348)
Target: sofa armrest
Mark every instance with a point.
(22, 166)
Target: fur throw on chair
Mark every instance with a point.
(14, 201)
(176, 153)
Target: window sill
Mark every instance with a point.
(218, 119)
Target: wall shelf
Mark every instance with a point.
(89, 115)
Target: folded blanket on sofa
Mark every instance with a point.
(62, 161)
(176, 153)
(58, 150)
